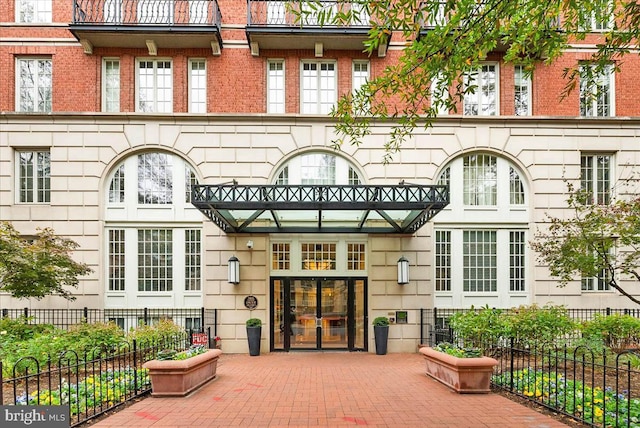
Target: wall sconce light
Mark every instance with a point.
(234, 270)
(403, 270)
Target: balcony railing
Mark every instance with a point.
(147, 12)
(300, 14)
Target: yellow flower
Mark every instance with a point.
(597, 411)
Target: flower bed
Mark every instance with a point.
(463, 375)
(180, 377)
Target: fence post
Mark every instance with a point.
(135, 365)
(608, 311)
(202, 319)
(215, 322)
(421, 326)
(5, 313)
(26, 312)
(146, 316)
(511, 343)
(1, 384)
(85, 314)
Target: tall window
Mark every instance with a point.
(522, 92)
(111, 85)
(33, 11)
(480, 261)
(356, 256)
(481, 91)
(34, 85)
(116, 260)
(596, 92)
(155, 260)
(440, 95)
(275, 86)
(192, 259)
(116, 188)
(595, 178)
(516, 261)
(155, 86)
(359, 78)
(197, 86)
(318, 87)
(480, 180)
(34, 176)
(318, 168)
(442, 275)
(516, 188)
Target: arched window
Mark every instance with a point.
(151, 224)
(318, 168)
(480, 238)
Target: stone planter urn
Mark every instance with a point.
(463, 375)
(177, 378)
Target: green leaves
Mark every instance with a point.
(40, 267)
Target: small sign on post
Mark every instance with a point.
(200, 339)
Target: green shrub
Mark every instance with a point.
(381, 321)
(163, 330)
(95, 337)
(616, 332)
(479, 328)
(449, 349)
(254, 322)
(22, 328)
(531, 325)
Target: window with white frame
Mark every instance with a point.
(318, 92)
(155, 259)
(601, 281)
(190, 180)
(155, 178)
(34, 176)
(360, 76)
(600, 19)
(480, 248)
(318, 168)
(275, 86)
(33, 11)
(116, 188)
(596, 91)
(155, 86)
(197, 86)
(595, 177)
(522, 91)
(111, 85)
(34, 85)
(481, 91)
(116, 260)
(192, 260)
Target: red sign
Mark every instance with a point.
(200, 339)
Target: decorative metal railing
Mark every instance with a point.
(307, 14)
(147, 12)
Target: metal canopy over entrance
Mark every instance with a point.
(402, 208)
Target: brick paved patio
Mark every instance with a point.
(326, 389)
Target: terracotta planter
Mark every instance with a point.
(177, 378)
(463, 375)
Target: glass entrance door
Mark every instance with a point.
(318, 313)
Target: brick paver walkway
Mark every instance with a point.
(326, 390)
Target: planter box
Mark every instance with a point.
(177, 378)
(463, 375)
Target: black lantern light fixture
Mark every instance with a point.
(403, 270)
(234, 270)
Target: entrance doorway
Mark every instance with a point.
(318, 313)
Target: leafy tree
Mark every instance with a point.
(447, 39)
(599, 241)
(40, 267)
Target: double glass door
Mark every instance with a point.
(318, 313)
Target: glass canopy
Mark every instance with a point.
(402, 208)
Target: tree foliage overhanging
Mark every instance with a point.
(447, 38)
(39, 267)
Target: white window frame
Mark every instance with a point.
(197, 86)
(40, 193)
(597, 23)
(521, 84)
(276, 88)
(155, 88)
(42, 13)
(360, 78)
(317, 103)
(591, 177)
(107, 104)
(589, 100)
(37, 85)
(477, 97)
(439, 93)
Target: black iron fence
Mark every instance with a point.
(596, 388)
(90, 383)
(434, 323)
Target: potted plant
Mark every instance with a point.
(463, 370)
(381, 334)
(254, 334)
(179, 373)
